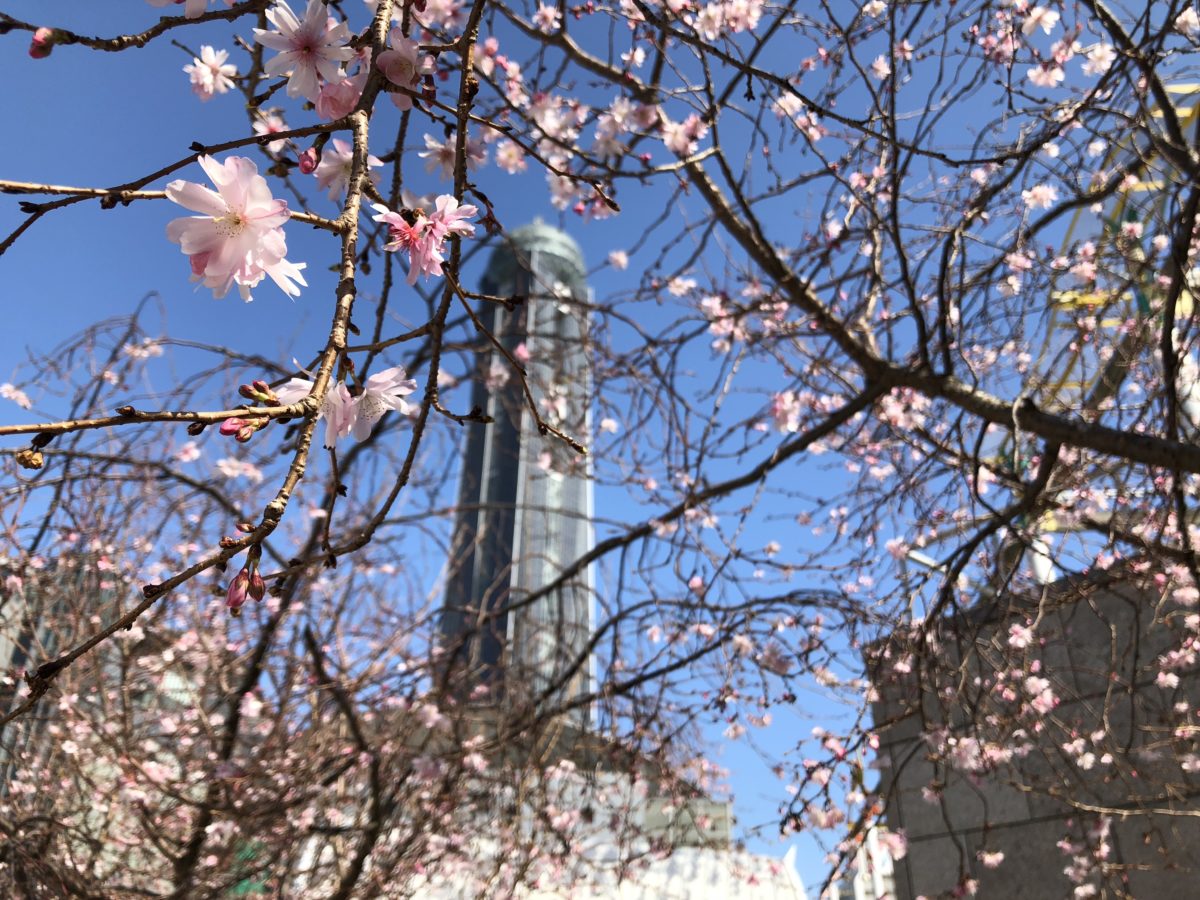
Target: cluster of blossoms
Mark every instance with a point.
(347, 415)
(424, 235)
(342, 412)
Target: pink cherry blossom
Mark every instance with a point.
(308, 160)
(271, 123)
(424, 236)
(1099, 59)
(448, 217)
(439, 155)
(682, 138)
(547, 19)
(990, 859)
(238, 592)
(337, 407)
(1019, 636)
(310, 49)
(1040, 196)
(239, 238)
(333, 172)
(403, 66)
(338, 98)
(785, 410)
(15, 394)
(1039, 17)
(382, 391)
(510, 157)
(210, 73)
(1047, 75)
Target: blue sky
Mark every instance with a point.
(94, 119)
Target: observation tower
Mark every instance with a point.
(525, 497)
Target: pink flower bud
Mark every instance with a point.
(309, 160)
(257, 588)
(232, 426)
(258, 391)
(239, 590)
(42, 43)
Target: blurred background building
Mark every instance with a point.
(525, 498)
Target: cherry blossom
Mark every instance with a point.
(310, 49)
(210, 73)
(682, 138)
(1047, 75)
(547, 19)
(271, 123)
(189, 452)
(439, 156)
(239, 238)
(15, 394)
(337, 406)
(1019, 636)
(333, 172)
(1099, 59)
(233, 468)
(381, 392)
(510, 157)
(338, 98)
(403, 66)
(1041, 196)
(785, 410)
(424, 235)
(1039, 17)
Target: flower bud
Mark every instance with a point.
(257, 587)
(239, 591)
(232, 426)
(309, 160)
(259, 391)
(42, 43)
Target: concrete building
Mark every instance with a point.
(1039, 753)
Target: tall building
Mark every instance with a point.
(525, 499)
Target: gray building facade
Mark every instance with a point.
(525, 496)
(1044, 764)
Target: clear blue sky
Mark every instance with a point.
(95, 119)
